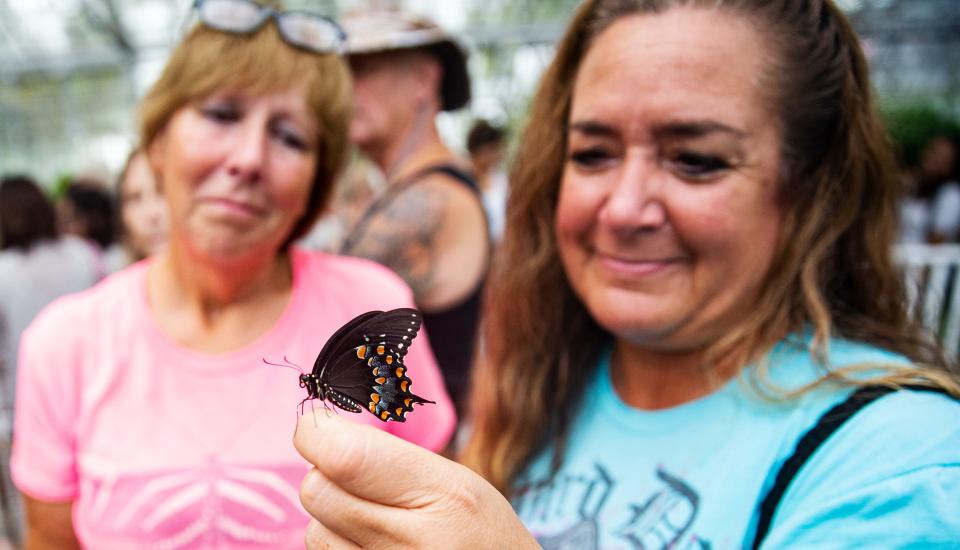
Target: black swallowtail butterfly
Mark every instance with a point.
(361, 365)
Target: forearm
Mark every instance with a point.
(49, 525)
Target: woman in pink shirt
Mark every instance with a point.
(145, 415)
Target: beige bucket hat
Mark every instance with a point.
(375, 31)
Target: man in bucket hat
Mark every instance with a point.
(429, 224)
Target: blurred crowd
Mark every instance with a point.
(930, 211)
(56, 244)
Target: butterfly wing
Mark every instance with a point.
(338, 344)
(390, 397)
(367, 365)
(392, 330)
(335, 357)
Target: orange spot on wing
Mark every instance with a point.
(375, 397)
(381, 380)
(380, 350)
(361, 352)
(373, 408)
(384, 415)
(399, 411)
(389, 359)
(407, 402)
(403, 385)
(399, 372)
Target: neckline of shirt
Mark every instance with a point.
(266, 345)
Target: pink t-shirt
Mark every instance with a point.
(163, 447)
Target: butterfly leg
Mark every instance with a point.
(299, 414)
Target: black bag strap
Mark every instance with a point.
(830, 422)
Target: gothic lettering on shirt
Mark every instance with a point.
(663, 519)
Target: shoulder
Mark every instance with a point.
(450, 184)
(791, 364)
(889, 476)
(911, 428)
(901, 415)
(883, 475)
(897, 432)
(91, 309)
(455, 184)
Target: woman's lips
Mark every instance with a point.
(234, 207)
(636, 267)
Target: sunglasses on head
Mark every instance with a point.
(304, 30)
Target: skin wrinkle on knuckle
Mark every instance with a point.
(339, 455)
(313, 492)
(463, 496)
(338, 511)
(350, 462)
(374, 531)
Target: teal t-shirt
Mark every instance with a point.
(692, 476)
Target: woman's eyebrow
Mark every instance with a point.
(676, 130)
(695, 129)
(592, 128)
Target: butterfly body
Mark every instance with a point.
(361, 366)
(318, 390)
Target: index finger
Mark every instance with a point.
(372, 464)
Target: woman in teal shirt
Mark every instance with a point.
(696, 273)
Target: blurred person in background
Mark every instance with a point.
(698, 337)
(146, 417)
(87, 209)
(428, 225)
(143, 211)
(486, 146)
(931, 211)
(361, 182)
(37, 265)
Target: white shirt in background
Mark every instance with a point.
(29, 281)
(941, 215)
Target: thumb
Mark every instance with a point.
(369, 463)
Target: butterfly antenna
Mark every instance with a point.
(288, 364)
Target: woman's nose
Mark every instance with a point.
(249, 152)
(635, 202)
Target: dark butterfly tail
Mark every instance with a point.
(418, 399)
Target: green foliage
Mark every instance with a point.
(912, 125)
(60, 185)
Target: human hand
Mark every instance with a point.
(370, 489)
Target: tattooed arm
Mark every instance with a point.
(433, 235)
(402, 236)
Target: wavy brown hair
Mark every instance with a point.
(833, 269)
(208, 60)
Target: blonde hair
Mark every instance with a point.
(833, 269)
(208, 60)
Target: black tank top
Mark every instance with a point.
(453, 331)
